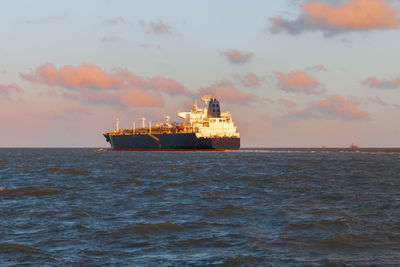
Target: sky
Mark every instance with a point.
(293, 73)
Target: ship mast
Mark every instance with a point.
(143, 122)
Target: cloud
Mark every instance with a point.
(226, 91)
(70, 113)
(237, 57)
(7, 90)
(156, 27)
(351, 15)
(114, 21)
(145, 46)
(382, 84)
(85, 76)
(52, 115)
(91, 76)
(396, 106)
(287, 103)
(128, 98)
(77, 112)
(319, 67)
(91, 83)
(334, 106)
(109, 39)
(377, 100)
(298, 81)
(250, 80)
(48, 19)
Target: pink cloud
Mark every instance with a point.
(298, 81)
(128, 98)
(77, 112)
(158, 83)
(7, 90)
(93, 84)
(237, 57)
(377, 100)
(251, 80)
(85, 76)
(319, 67)
(382, 84)
(226, 91)
(287, 103)
(334, 106)
(156, 27)
(352, 15)
(114, 21)
(52, 115)
(339, 106)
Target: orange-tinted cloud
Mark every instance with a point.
(351, 15)
(91, 76)
(158, 83)
(298, 81)
(382, 84)
(140, 98)
(334, 106)
(227, 92)
(396, 106)
(8, 90)
(377, 100)
(251, 80)
(91, 83)
(85, 76)
(287, 103)
(237, 57)
(128, 98)
(156, 27)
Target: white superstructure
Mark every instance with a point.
(209, 122)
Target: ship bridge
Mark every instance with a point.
(209, 121)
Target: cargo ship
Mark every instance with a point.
(203, 128)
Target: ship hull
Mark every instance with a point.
(171, 142)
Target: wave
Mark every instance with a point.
(246, 260)
(152, 228)
(229, 210)
(98, 252)
(143, 228)
(206, 242)
(15, 247)
(28, 191)
(70, 171)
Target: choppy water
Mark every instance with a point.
(253, 207)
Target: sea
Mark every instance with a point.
(252, 207)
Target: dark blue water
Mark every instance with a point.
(79, 207)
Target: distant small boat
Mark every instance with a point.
(353, 145)
(324, 146)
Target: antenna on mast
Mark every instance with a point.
(206, 98)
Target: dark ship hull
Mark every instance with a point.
(171, 141)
